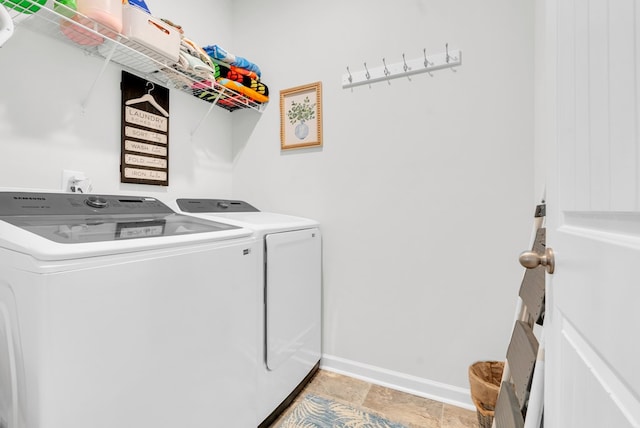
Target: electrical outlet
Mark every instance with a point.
(67, 175)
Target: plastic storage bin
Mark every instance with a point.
(150, 32)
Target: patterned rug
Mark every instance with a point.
(318, 412)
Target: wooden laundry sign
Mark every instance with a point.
(145, 132)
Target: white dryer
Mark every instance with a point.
(118, 312)
(291, 288)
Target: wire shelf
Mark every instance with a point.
(57, 21)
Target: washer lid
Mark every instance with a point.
(242, 214)
(74, 218)
(51, 226)
(83, 229)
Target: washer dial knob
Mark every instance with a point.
(96, 202)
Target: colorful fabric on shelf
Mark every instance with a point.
(213, 92)
(259, 87)
(216, 81)
(193, 66)
(238, 70)
(247, 91)
(222, 72)
(244, 72)
(189, 46)
(220, 54)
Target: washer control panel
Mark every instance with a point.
(28, 203)
(214, 206)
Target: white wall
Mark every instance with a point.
(44, 130)
(544, 92)
(424, 187)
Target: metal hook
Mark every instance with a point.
(386, 70)
(350, 77)
(426, 61)
(405, 67)
(367, 75)
(446, 46)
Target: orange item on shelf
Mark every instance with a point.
(248, 92)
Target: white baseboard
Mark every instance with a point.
(426, 388)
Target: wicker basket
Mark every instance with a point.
(484, 379)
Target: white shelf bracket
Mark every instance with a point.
(405, 68)
(213, 103)
(87, 98)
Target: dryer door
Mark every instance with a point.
(293, 297)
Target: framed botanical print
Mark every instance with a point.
(301, 116)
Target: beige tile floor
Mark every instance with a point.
(396, 406)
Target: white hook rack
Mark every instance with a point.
(405, 68)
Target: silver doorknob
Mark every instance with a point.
(531, 260)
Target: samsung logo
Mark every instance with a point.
(29, 198)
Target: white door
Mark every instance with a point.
(593, 223)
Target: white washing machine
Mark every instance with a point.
(290, 320)
(118, 312)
